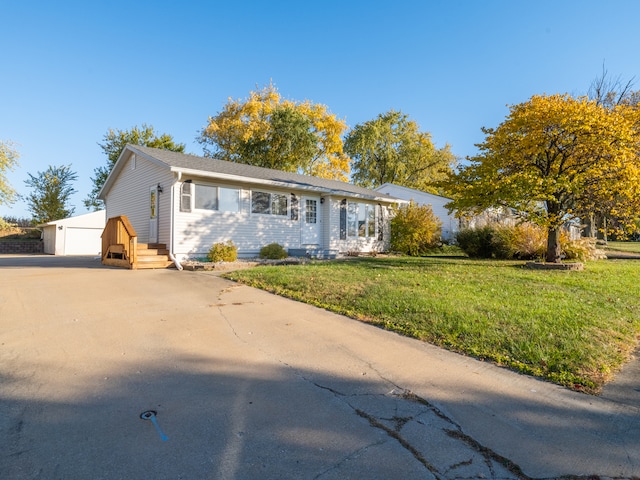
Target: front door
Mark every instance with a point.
(153, 215)
(311, 220)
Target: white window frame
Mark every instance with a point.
(212, 196)
(269, 211)
(188, 197)
(362, 220)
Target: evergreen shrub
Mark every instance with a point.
(273, 251)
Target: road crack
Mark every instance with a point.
(396, 435)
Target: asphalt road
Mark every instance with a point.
(247, 385)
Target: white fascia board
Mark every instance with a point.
(271, 183)
(113, 173)
(243, 179)
(340, 193)
(117, 167)
(410, 190)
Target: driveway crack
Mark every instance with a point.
(489, 457)
(347, 458)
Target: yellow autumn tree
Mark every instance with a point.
(8, 161)
(268, 131)
(552, 160)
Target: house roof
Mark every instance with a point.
(209, 167)
(88, 220)
(407, 192)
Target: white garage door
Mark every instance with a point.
(82, 241)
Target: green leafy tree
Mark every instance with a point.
(551, 160)
(391, 148)
(415, 229)
(287, 144)
(114, 141)
(266, 130)
(8, 161)
(51, 192)
(609, 93)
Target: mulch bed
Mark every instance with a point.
(194, 265)
(569, 267)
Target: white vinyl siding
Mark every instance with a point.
(198, 230)
(129, 196)
(355, 243)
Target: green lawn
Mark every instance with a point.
(573, 328)
(632, 247)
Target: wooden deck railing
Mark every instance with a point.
(119, 241)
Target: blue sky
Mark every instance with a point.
(70, 70)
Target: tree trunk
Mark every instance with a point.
(553, 245)
(592, 228)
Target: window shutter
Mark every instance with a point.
(294, 207)
(185, 196)
(343, 219)
(380, 223)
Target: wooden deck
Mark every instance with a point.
(120, 248)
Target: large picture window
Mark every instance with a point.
(206, 197)
(361, 220)
(228, 199)
(209, 197)
(269, 203)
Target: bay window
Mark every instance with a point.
(361, 220)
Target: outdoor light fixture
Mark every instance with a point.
(159, 187)
(321, 199)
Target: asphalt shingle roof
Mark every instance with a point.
(209, 166)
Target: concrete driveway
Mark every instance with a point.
(247, 385)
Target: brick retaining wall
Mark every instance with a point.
(22, 246)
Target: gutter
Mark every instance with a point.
(171, 223)
(175, 261)
(284, 184)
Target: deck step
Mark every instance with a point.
(154, 263)
(153, 255)
(152, 252)
(148, 256)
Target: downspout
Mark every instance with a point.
(171, 217)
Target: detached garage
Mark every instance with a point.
(74, 235)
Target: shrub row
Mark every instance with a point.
(228, 252)
(524, 241)
(521, 242)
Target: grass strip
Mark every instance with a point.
(629, 247)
